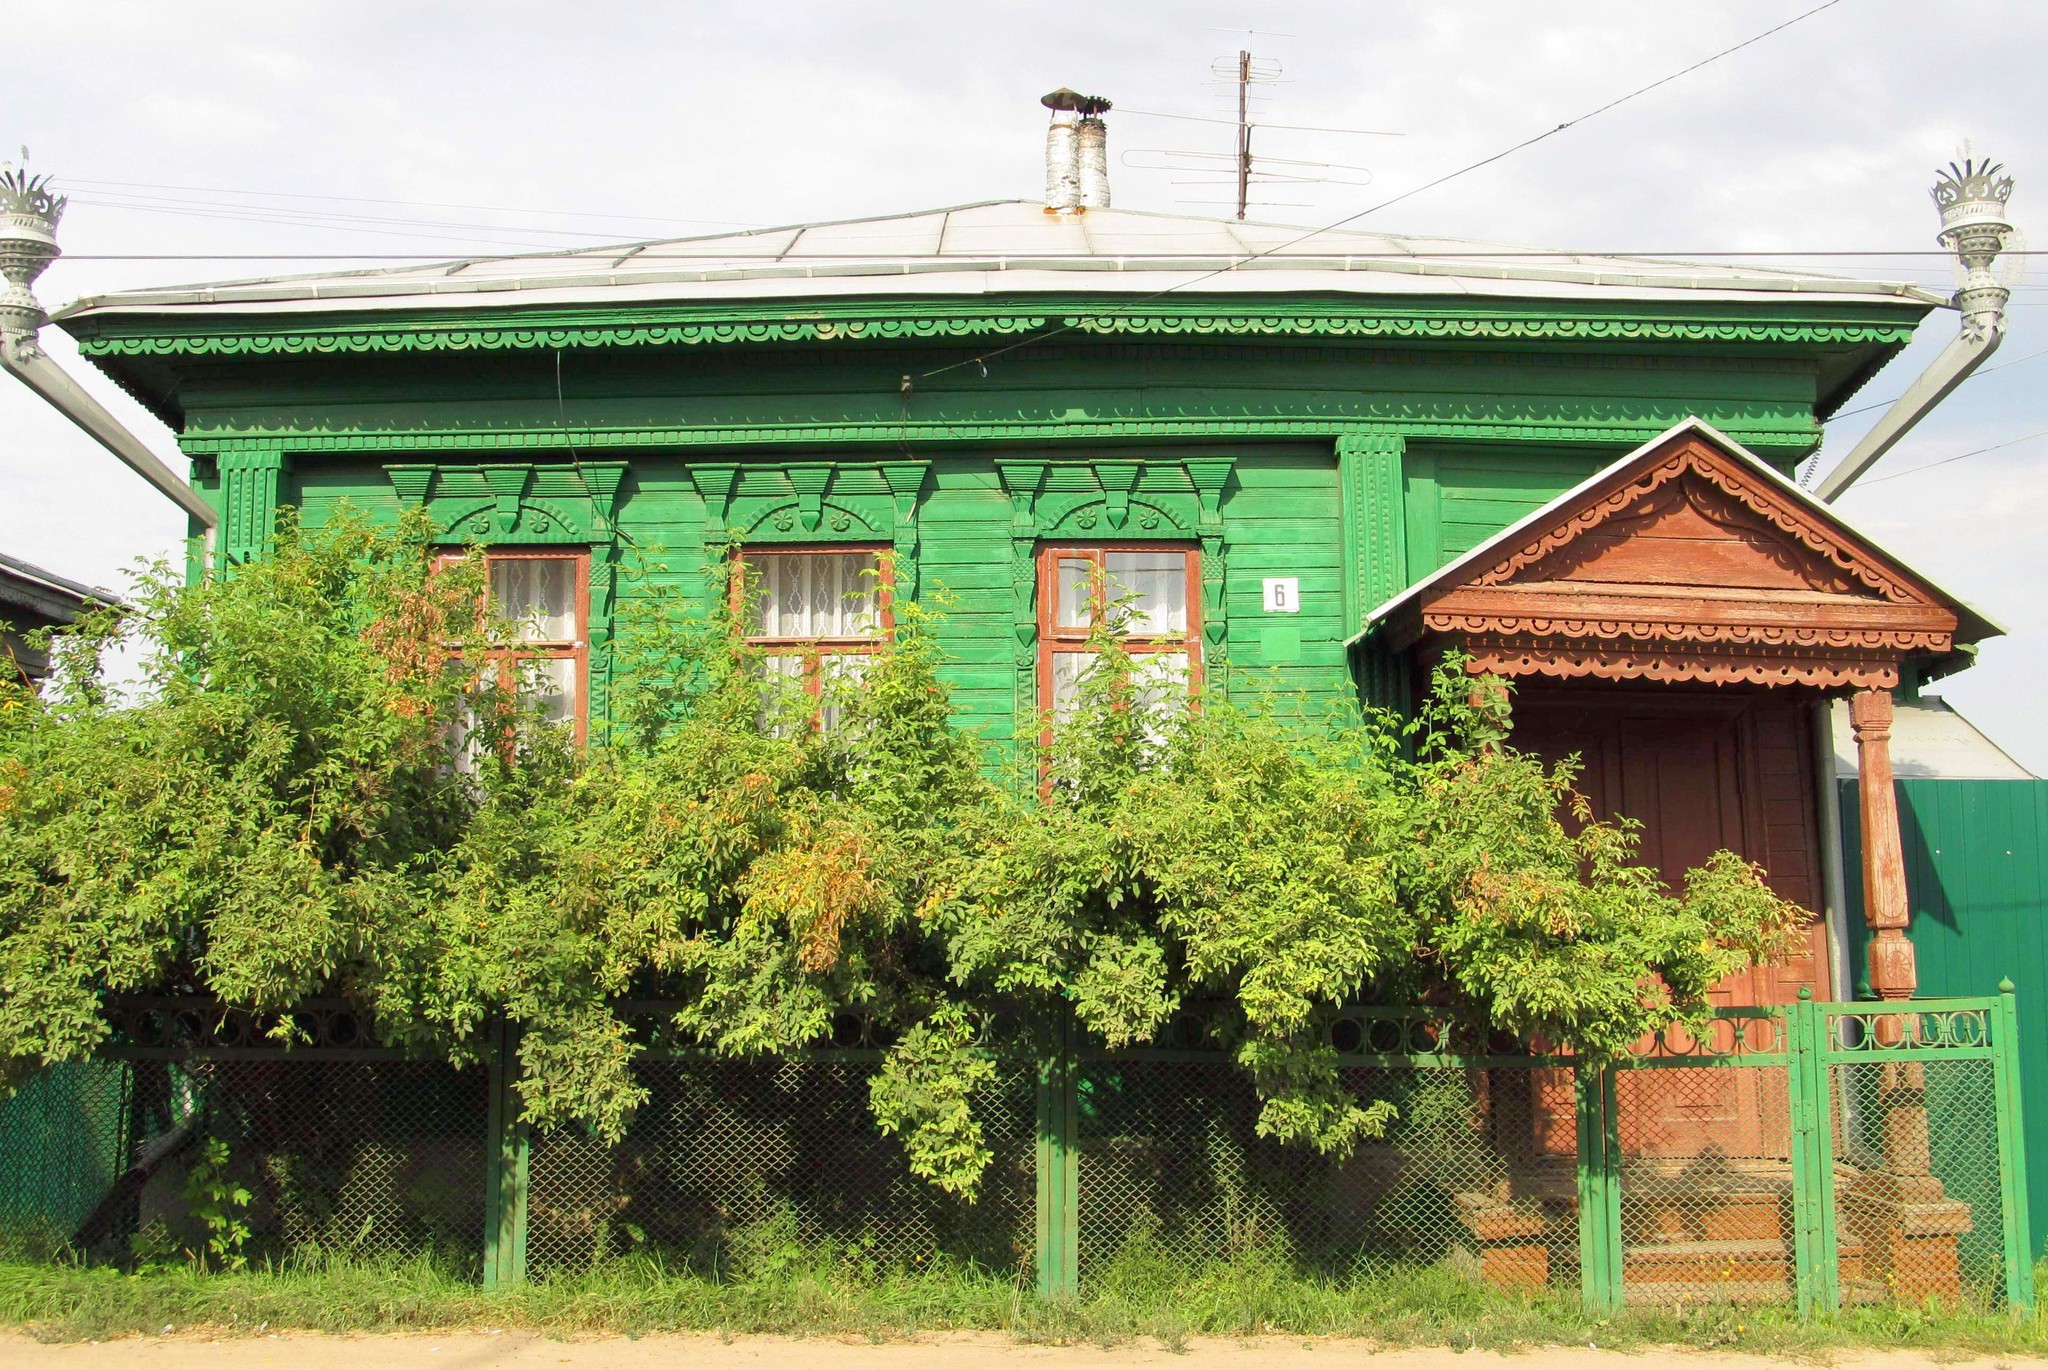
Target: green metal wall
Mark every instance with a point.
(1975, 854)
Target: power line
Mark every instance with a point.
(1976, 452)
(419, 204)
(1409, 194)
(1678, 254)
(328, 228)
(286, 214)
(1985, 371)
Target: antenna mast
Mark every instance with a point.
(1244, 131)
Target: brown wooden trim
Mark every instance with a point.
(575, 649)
(1054, 640)
(812, 649)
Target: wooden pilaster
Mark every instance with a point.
(1893, 974)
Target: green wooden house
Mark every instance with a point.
(1317, 461)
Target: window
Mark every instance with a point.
(815, 614)
(1151, 599)
(544, 598)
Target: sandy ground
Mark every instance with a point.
(473, 1351)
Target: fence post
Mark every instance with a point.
(1600, 1242)
(505, 1167)
(1058, 1194)
(2012, 1148)
(1815, 1259)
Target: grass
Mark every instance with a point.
(1145, 1294)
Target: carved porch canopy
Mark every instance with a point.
(1689, 559)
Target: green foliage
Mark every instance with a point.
(784, 1288)
(277, 816)
(219, 1204)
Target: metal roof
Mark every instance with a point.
(1931, 741)
(1005, 247)
(47, 594)
(1971, 627)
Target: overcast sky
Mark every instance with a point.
(213, 126)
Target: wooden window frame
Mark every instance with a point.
(814, 649)
(1054, 639)
(576, 649)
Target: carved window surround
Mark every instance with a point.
(530, 504)
(812, 502)
(1119, 500)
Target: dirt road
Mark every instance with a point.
(523, 1351)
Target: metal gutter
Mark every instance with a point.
(29, 212)
(1972, 199)
(20, 355)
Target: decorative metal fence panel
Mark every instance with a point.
(1817, 1153)
(1705, 1168)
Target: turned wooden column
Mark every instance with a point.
(1893, 972)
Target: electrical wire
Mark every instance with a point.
(420, 204)
(1407, 194)
(1678, 254)
(1985, 371)
(1975, 452)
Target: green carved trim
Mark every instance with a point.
(514, 504)
(1882, 322)
(1372, 476)
(1790, 427)
(252, 486)
(811, 502)
(1375, 522)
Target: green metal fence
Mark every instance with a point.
(1816, 1153)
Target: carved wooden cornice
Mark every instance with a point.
(883, 322)
(1686, 565)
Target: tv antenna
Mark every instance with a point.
(1241, 169)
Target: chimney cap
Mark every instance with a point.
(1064, 98)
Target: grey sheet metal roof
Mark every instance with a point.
(1004, 247)
(54, 598)
(1972, 627)
(1930, 740)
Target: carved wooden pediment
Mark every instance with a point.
(1687, 560)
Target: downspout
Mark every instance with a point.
(1972, 199)
(28, 244)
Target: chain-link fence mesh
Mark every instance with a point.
(1171, 1166)
(1917, 1182)
(155, 1159)
(1706, 1183)
(63, 1146)
(733, 1166)
(1813, 1152)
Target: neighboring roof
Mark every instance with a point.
(1006, 247)
(1930, 741)
(1970, 627)
(47, 595)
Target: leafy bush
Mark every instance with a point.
(277, 816)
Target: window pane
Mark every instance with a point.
(1076, 607)
(813, 594)
(782, 692)
(538, 594)
(551, 682)
(1159, 681)
(1150, 592)
(839, 674)
(1069, 669)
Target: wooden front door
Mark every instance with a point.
(1701, 770)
